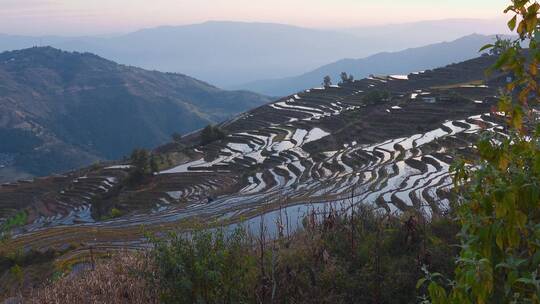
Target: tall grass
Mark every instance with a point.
(118, 280)
(339, 256)
(19, 219)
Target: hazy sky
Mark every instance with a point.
(78, 17)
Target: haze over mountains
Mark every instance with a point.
(428, 32)
(228, 54)
(62, 110)
(402, 62)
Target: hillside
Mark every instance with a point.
(386, 142)
(402, 62)
(233, 53)
(62, 110)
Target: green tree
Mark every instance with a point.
(143, 164)
(345, 78)
(211, 133)
(499, 195)
(327, 81)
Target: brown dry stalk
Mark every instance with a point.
(117, 280)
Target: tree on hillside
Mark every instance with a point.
(376, 96)
(345, 78)
(499, 194)
(327, 81)
(211, 133)
(143, 164)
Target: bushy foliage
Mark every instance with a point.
(346, 78)
(500, 46)
(376, 96)
(498, 209)
(359, 257)
(143, 164)
(206, 267)
(19, 219)
(365, 258)
(113, 213)
(211, 133)
(20, 269)
(327, 81)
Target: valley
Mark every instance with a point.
(64, 110)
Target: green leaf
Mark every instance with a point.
(499, 240)
(485, 47)
(420, 282)
(512, 23)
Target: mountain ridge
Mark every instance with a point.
(93, 108)
(229, 53)
(400, 62)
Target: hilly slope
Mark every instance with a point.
(402, 62)
(386, 142)
(232, 53)
(223, 53)
(61, 110)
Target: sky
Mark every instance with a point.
(102, 17)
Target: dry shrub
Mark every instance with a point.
(118, 280)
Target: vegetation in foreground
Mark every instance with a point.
(366, 257)
(363, 257)
(498, 212)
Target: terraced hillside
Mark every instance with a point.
(386, 141)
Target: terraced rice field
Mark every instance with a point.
(318, 147)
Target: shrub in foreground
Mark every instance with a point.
(205, 267)
(337, 257)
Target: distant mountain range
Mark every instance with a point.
(233, 53)
(61, 110)
(402, 62)
(422, 33)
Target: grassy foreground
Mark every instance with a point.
(338, 257)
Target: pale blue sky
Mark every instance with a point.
(76, 17)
